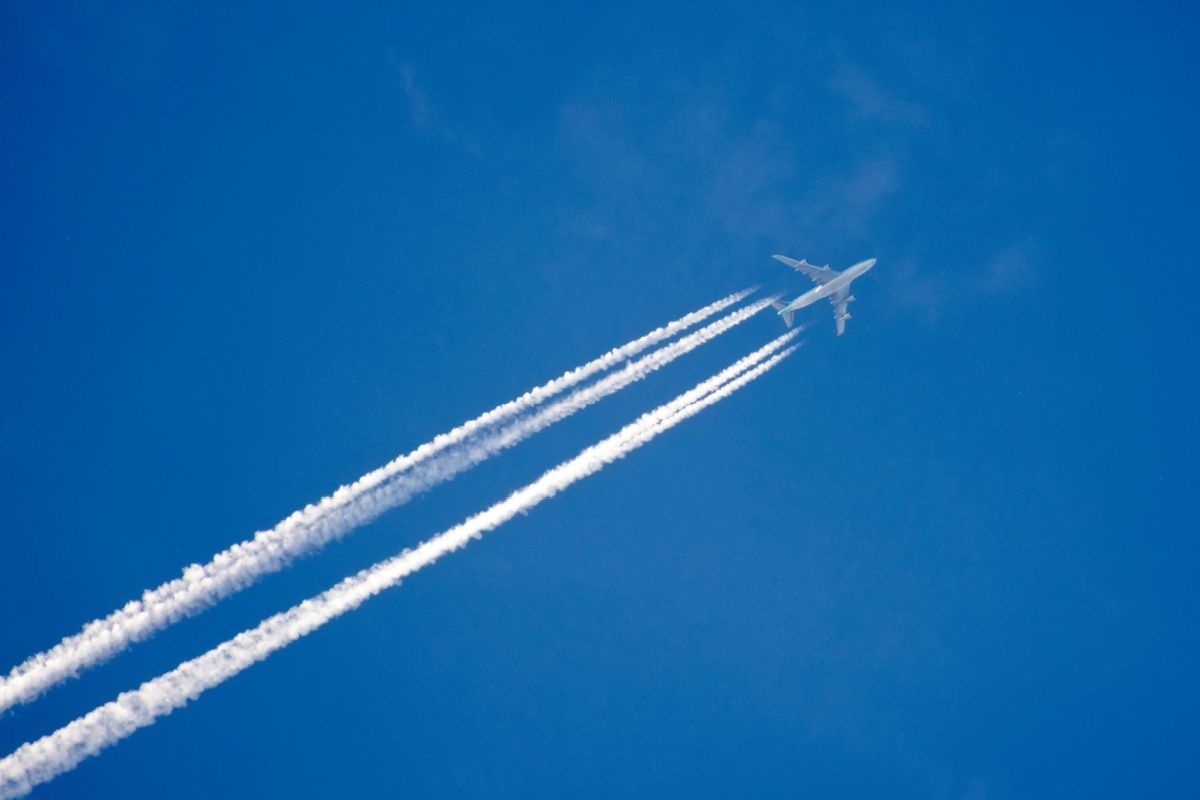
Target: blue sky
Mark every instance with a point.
(249, 256)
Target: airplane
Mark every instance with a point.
(830, 283)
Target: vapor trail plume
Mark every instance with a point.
(241, 564)
(40, 761)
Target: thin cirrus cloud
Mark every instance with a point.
(426, 115)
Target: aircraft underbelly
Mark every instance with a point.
(808, 298)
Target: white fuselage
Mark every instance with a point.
(829, 289)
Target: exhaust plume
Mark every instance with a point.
(334, 516)
(40, 761)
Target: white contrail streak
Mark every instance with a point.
(315, 525)
(40, 761)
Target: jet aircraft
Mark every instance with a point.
(830, 283)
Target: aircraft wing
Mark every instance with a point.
(840, 300)
(818, 275)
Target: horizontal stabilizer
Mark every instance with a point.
(787, 315)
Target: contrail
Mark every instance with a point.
(37, 762)
(303, 531)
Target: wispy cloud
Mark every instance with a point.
(929, 290)
(867, 99)
(745, 178)
(846, 204)
(1010, 270)
(428, 116)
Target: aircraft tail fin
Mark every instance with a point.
(787, 315)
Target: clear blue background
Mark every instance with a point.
(249, 254)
